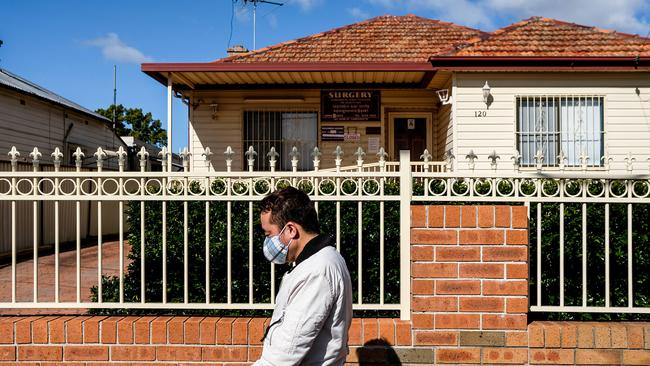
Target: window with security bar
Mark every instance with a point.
(568, 126)
(282, 130)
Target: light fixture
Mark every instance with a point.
(486, 93)
(443, 95)
(273, 100)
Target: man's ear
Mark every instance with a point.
(293, 230)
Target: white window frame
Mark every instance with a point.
(595, 164)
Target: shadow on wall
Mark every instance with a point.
(377, 352)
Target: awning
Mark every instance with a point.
(219, 75)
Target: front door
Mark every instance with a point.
(410, 134)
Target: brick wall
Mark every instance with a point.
(469, 306)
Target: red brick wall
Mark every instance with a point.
(469, 306)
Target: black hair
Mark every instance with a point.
(291, 204)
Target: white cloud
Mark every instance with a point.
(115, 50)
(622, 15)
(273, 21)
(306, 5)
(242, 14)
(357, 13)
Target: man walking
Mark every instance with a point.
(314, 304)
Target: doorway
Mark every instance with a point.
(410, 132)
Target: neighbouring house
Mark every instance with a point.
(546, 92)
(32, 116)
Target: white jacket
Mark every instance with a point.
(313, 312)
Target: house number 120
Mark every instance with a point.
(480, 113)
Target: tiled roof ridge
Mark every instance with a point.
(597, 29)
(339, 29)
(451, 51)
(301, 39)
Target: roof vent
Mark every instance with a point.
(236, 50)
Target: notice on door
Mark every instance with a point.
(350, 105)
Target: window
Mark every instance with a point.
(571, 125)
(282, 130)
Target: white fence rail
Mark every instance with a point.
(575, 241)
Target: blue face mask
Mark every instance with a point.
(274, 250)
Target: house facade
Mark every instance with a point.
(539, 94)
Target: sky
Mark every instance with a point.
(70, 46)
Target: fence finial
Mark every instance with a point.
(185, 157)
(539, 159)
(360, 154)
(163, 153)
(338, 153)
(629, 161)
(493, 159)
(383, 154)
(607, 160)
(78, 157)
(295, 155)
(36, 156)
(315, 154)
(472, 158)
(561, 158)
(14, 154)
(143, 154)
(207, 155)
(57, 155)
(100, 155)
(584, 158)
(516, 158)
(250, 157)
(121, 158)
(449, 159)
(426, 156)
(273, 157)
(228, 154)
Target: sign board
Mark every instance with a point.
(411, 123)
(332, 133)
(373, 145)
(350, 105)
(352, 137)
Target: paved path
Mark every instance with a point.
(67, 280)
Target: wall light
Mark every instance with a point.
(486, 93)
(443, 95)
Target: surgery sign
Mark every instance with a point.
(350, 105)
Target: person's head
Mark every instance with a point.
(291, 213)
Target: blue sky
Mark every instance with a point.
(70, 46)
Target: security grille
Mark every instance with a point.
(282, 130)
(567, 128)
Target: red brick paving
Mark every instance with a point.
(67, 280)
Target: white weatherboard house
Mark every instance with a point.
(539, 94)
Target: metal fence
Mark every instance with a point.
(565, 229)
(233, 192)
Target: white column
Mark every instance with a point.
(169, 121)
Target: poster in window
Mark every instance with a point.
(350, 105)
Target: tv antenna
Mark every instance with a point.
(255, 2)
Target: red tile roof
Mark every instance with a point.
(385, 38)
(543, 37)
